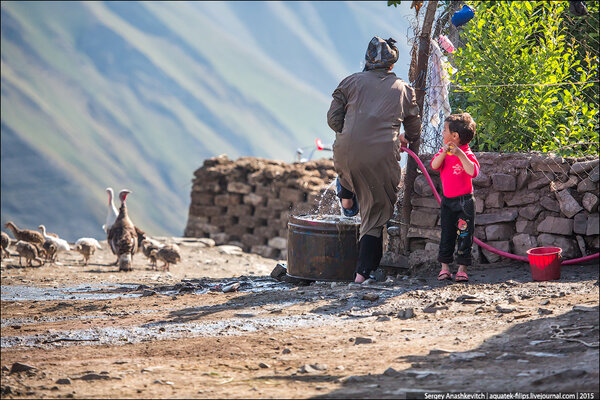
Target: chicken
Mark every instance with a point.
(26, 235)
(29, 251)
(61, 244)
(5, 243)
(112, 213)
(49, 250)
(147, 246)
(122, 236)
(86, 249)
(168, 254)
(90, 241)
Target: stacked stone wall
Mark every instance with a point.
(247, 202)
(522, 201)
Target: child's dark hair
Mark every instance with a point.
(464, 125)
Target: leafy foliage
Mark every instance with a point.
(512, 75)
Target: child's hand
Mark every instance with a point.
(448, 148)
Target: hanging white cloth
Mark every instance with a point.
(439, 81)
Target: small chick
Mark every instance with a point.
(29, 251)
(5, 243)
(86, 250)
(50, 250)
(147, 246)
(169, 254)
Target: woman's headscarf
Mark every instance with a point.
(380, 53)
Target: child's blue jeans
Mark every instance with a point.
(458, 226)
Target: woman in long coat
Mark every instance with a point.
(366, 112)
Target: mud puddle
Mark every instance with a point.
(167, 330)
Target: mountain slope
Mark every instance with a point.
(138, 94)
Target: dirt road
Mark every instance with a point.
(93, 332)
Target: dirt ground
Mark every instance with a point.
(92, 332)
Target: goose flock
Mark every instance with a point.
(123, 237)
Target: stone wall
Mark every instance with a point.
(247, 202)
(522, 201)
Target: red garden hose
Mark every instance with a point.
(479, 242)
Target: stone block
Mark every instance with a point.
(250, 221)
(580, 223)
(228, 199)
(253, 199)
(503, 245)
(277, 224)
(421, 186)
(423, 218)
(211, 187)
(568, 205)
(265, 251)
(480, 232)
(291, 195)
(494, 218)
(256, 178)
(482, 180)
(499, 232)
(522, 179)
(428, 233)
(278, 204)
(594, 175)
(239, 187)
(250, 240)
(523, 226)
(494, 200)
(427, 202)
(558, 226)
(590, 202)
(570, 248)
(209, 228)
(236, 231)
(418, 258)
(587, 185)
(521, 198)
(283, 233)
(479, 205)
(504, 182)
(571, 182)
(222, 220)
(593, 225)
(266, 191)
(266, 232)
(262, 212)
(220, 238)
(208, 211)
(240, 210)
(531, 211)
(542, 181)
(549, 164)
(583, 166)
(523, 242)
(278, 243)
(203, 198)
(550, 204)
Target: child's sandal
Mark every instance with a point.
(443, 275)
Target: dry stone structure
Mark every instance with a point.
(522, 201)
(247, 202)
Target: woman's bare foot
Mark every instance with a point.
(359, 278)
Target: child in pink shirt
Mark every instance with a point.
(458, 166)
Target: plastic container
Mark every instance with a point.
(463, 16)
(545, 263)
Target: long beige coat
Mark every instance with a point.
(366, 113)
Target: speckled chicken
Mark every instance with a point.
(5, 243)
(26, 235)
(29, 251)
(169, 254)
(122, 236)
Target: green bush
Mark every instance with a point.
(511, 76)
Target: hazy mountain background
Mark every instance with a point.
(138, 94)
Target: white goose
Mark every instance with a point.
(112, 213)
(61, 244)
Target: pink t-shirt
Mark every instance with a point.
(455, 181)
